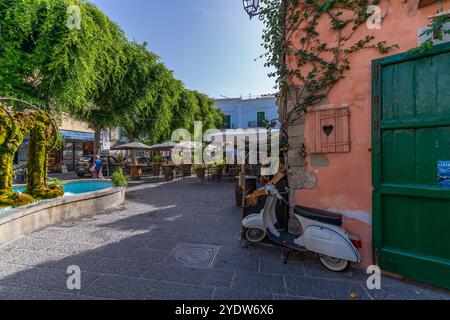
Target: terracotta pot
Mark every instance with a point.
(200, 177)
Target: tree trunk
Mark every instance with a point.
(37, 161)
(6, 172)
(133, 152)
(97, 142)
(6, 161)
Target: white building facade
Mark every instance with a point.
(252, 112)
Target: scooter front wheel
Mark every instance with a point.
(255, 235)
(333, 264)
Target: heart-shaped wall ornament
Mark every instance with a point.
(328, 130)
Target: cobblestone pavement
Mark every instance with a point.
(134, 252)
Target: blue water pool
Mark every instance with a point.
(71, 188)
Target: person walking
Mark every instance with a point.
(98, 167)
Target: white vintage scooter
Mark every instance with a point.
(322, 233)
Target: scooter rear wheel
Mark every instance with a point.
(255, 235)
(334, 264)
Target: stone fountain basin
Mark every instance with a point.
(18, 222)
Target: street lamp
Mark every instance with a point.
(252, 8)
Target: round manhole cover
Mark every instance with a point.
(193, 255)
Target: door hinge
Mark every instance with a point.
(376, 257)
(376, 71)
(376, 100)
(376, 104)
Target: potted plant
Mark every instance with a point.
(119, 179)
(156, 165)
(200, 172)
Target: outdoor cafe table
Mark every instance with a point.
(136, 170)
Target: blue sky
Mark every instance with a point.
(210, 45)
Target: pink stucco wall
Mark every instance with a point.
(345, 185)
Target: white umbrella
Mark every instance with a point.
(260, 134)
(132, 146)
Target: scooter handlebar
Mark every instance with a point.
(271, 190)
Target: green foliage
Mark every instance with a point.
(42, 138)
(14, 127)
(93, 73)
(119, 179)
(319, 62)
(200, 169)
(157, 158)
(436, 31)
(17, 122)
(6, 171)
(209, 114)
(42, 60)
(53, 182)
(14, 199)
(58, 143)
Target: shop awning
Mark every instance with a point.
(77, 136)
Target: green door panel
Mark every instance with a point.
(411, 133)
(416, 88)
(416, 225)
(411, 156)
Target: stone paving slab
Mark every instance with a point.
(128, 253)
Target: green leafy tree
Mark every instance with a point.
(93, 72)
(45, 61)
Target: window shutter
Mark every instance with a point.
(332, 130)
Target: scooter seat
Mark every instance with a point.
(319, 215)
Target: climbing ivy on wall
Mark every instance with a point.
(301, 55)
(435, 31)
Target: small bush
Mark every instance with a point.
(11, 199)
(200, 169)
(119, 178)
(158, 158)
(22, 199)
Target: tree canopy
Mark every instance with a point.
(94, 73)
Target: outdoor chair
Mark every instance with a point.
(187, 170)
(179, 173)
(215, 173)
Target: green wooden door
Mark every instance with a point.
(411, 134)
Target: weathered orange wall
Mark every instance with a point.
(345, 185)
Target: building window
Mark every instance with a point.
(261, 119)
(227, 122)
(252, 124)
